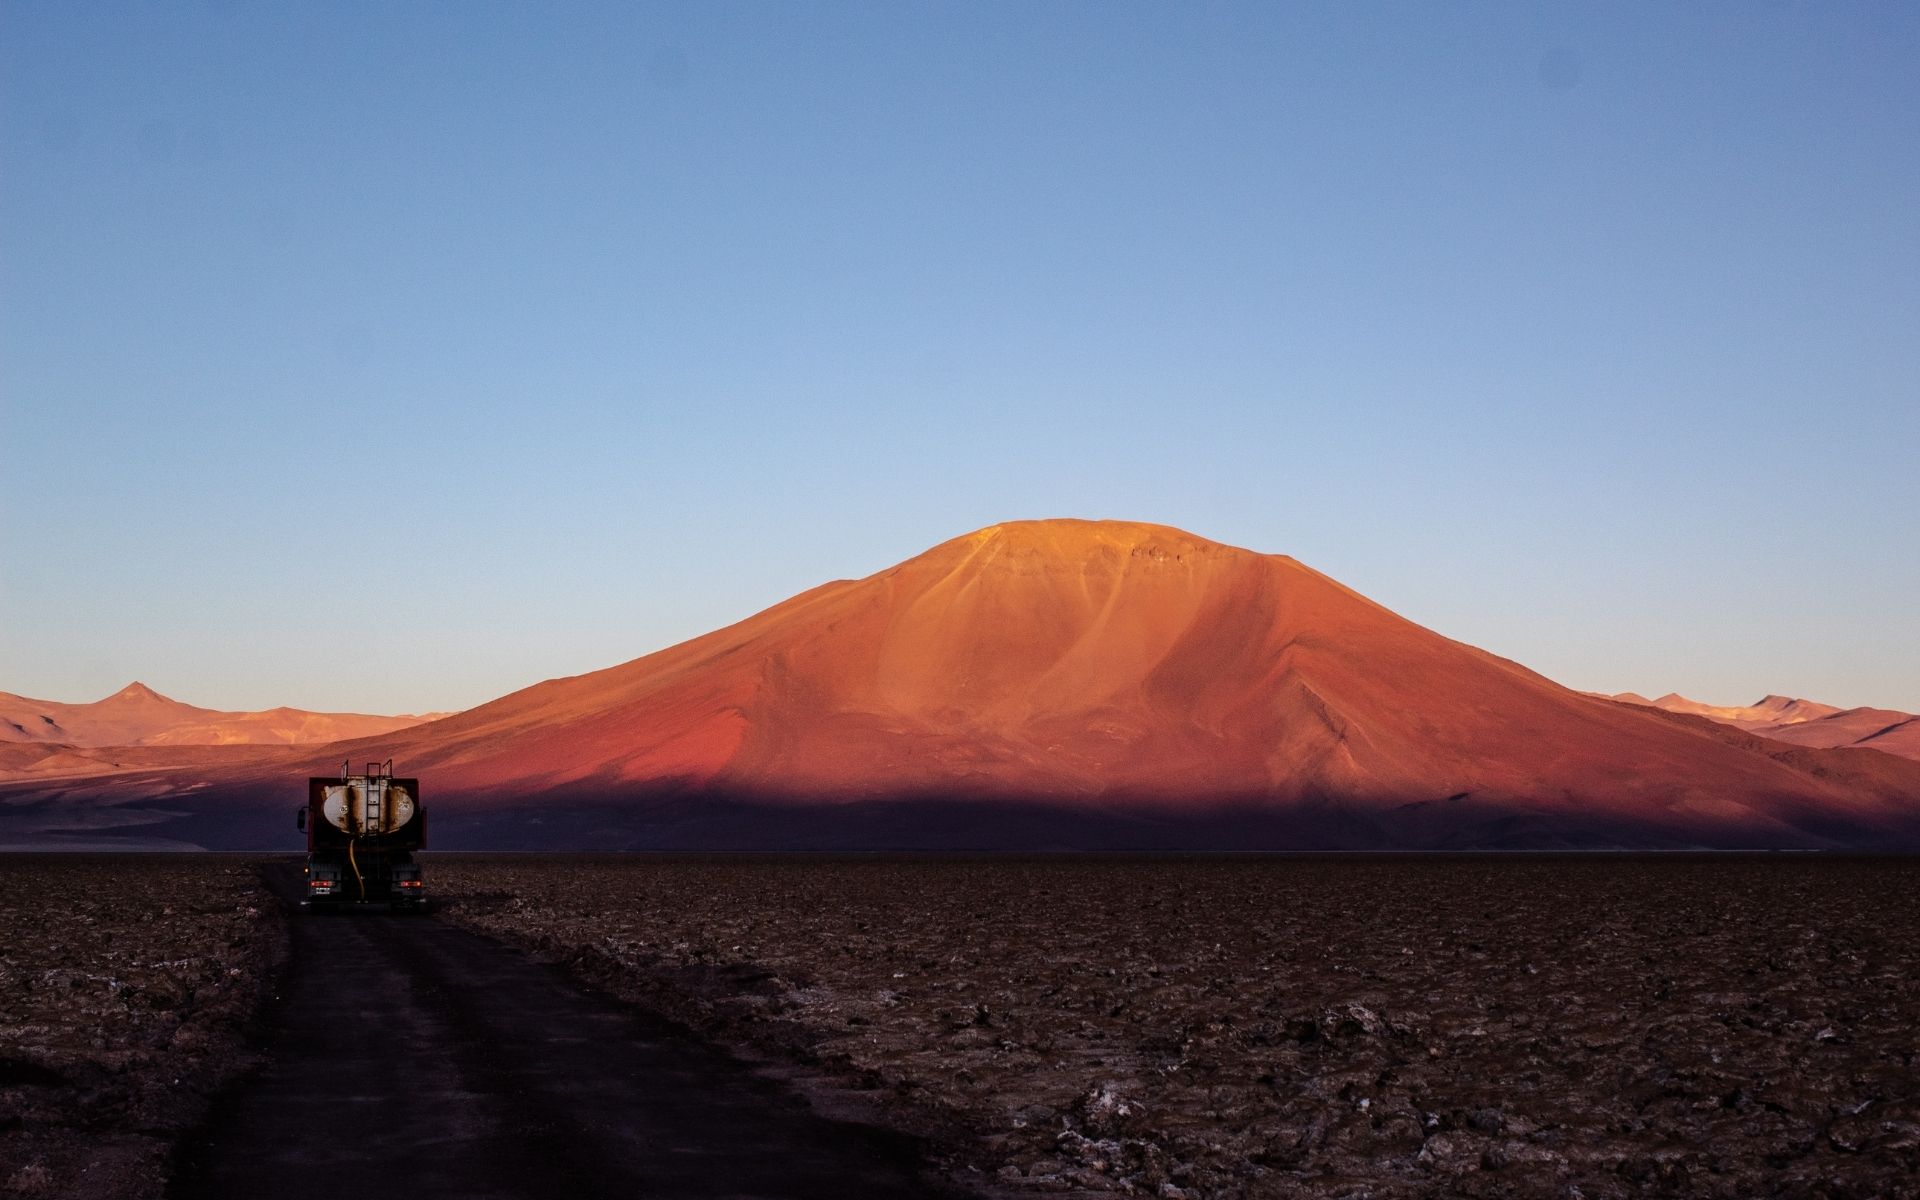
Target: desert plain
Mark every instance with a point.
(1205, 1026)
(127, 985)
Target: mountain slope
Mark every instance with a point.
(1104, 664)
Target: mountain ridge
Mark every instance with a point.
(1093, 684)
(137, 715)
(1805, 722)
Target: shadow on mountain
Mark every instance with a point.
(253, 819)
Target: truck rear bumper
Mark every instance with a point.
(410, 905)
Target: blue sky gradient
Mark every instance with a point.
(393, 357)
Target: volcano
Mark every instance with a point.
(1089, 684)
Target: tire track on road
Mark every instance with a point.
(406, 1054)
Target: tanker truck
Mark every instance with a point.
(362, 831)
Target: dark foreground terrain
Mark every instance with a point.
(1518, 1026)
(126, 986)
(148, 1047)
(1523, 1026)
(410, 1056)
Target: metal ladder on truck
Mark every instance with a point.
(373, 803)
(375, 798)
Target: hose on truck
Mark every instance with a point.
(357, 877)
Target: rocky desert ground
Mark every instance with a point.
(1598, 1026)
(1500, 1026)
(126, 985)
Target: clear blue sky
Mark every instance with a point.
(393, 357)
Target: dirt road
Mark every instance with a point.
(405, 1055)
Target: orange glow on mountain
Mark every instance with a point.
(1101, 663)
(1105, 667)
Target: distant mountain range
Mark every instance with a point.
(136, 715)
(1035, 685)
(1805, 722)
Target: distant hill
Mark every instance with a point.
(1042, 685)
(1805, 722)
(136, 715)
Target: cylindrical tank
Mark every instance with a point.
(367, 806)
